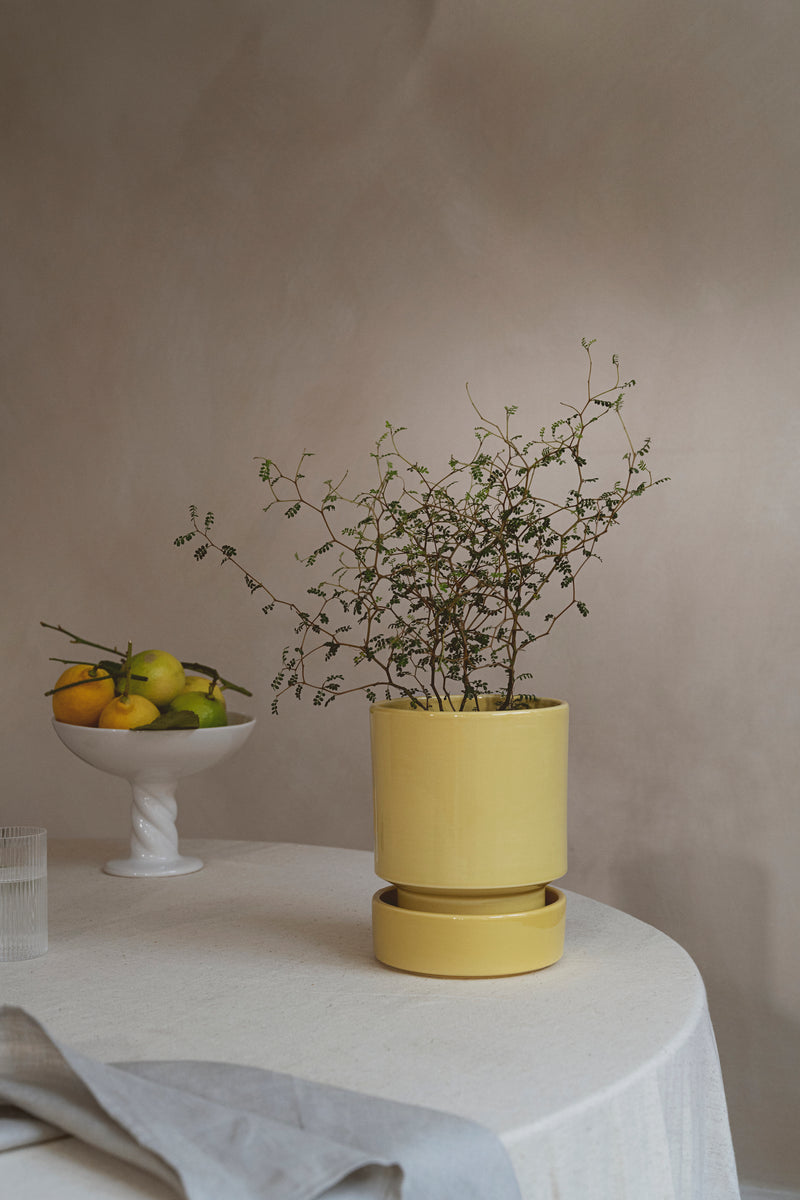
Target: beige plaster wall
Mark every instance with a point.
(240, 229)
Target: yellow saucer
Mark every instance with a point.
(436, 943)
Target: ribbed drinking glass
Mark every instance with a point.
(23, 892)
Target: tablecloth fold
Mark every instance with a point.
(215, 1129)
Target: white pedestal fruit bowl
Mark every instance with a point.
(153, 762)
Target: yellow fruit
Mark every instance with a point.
(82, 705)
(200, 683)
(165, 676)
(128, 712)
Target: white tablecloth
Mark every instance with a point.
(600, 1074)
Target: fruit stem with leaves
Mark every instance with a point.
(116, 669)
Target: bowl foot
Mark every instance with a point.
(143, 867)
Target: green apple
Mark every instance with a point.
(209, 711)
(165, 677)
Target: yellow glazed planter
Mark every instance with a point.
(470, 831)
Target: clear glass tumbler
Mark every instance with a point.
(23, 892)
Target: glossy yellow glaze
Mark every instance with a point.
(467, 947)
(475, 901)
(470, 826)
(467, 801)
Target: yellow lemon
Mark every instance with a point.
(128, 712)
(210, 712)
(165, 677)
(82, 705)
(200, 683)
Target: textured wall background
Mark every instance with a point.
(242, 229)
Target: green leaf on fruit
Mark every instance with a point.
(172, 720)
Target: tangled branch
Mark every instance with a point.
(436, 585)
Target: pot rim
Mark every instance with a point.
(403, 705)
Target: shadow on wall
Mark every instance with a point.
(759, 1048)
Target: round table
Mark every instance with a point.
(600, 1074)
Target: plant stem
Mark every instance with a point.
(78, 683)
(224, 683)
(127, 670)
(82, 641)
(71, 662)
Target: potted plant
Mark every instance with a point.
(439, 586)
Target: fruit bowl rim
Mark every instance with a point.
(243, 720)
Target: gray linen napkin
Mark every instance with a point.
(213, 1129)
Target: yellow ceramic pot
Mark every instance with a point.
(470, 828)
